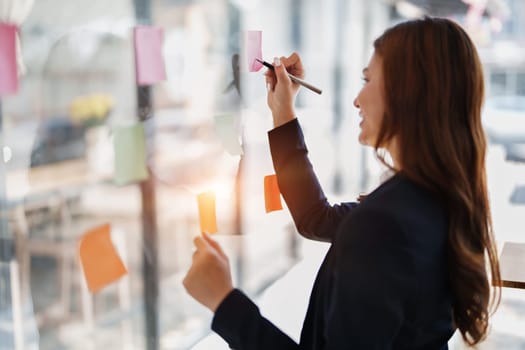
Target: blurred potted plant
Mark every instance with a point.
(91, 110)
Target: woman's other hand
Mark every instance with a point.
(209, 279)
(281, 90)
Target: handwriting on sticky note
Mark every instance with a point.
(100, 262)
(272, 195)
(253, 49)
(207, 215)
(228, 132)
(8, 65)
(149, 62)
(130, 154)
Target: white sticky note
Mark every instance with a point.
(228, 132)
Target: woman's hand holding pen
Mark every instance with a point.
(281, 90)
(209, 278)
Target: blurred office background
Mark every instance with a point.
(79, 86)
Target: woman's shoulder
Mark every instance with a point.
(399, 195)
(400, 209)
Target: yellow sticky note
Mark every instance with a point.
(272, 195)
(100, 261)
(207, 216)
(130, 154)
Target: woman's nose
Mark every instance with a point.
(356, 103)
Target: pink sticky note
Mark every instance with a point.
(254, 49)
(149, 62)
(8, 67)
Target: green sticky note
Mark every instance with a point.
(130, 154)
(228, 132)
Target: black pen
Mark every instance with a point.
(293, 78)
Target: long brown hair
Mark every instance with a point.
(434, 92)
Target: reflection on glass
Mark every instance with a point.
(79, 88)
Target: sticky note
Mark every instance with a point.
(207, 216)
(149, 62)
(100, 261)
(272, 195)
(228, 132)
(130, 154)
(8, 65)
(253, 50)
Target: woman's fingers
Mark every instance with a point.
(269, 74)
(200, 243)
(270, 80)
(280, 72)
(281, 91)
(205, 243)
(293, 65)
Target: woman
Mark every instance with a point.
(407, 266)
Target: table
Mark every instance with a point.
(48, 186)
(512, 265)
(39, 181)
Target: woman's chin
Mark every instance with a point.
(362, 139)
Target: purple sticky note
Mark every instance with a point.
(254, 49)
(8, 66)
(149, 62)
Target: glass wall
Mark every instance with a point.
(79, 113)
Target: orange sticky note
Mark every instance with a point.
(100, 261)
(272, 195)
(207, 217)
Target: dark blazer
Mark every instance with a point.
(383, 283)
